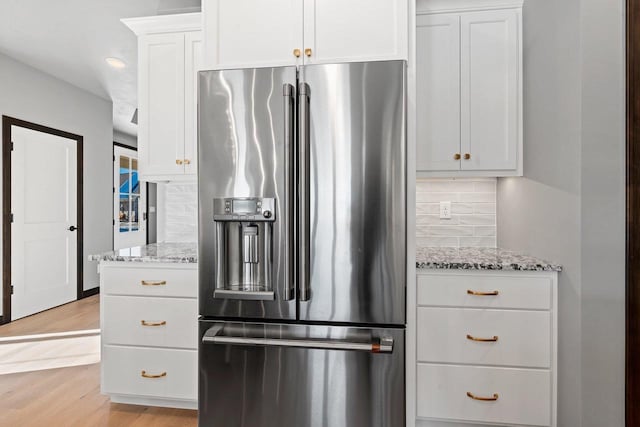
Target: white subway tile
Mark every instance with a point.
(477, 219)
(436, 197)
(447, 230)
(440, 242)
(484, 231)
(488, 242)
(484, 208)
(427, 208)
(461, 208)
(477, 197)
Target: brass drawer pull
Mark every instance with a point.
(492, 339)
(162, 323)
(153, 282)
(484, 399)
(467, 156)
(145, 375)
(187, 161)
(296, 53)
(179, 161)
(482, 294)
(456, 156)
(307, 52)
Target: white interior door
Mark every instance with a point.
(129, 200)
(43, 203)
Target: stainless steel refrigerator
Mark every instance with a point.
(302, 246)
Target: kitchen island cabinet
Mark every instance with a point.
(149, 325)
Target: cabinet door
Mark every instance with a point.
(192, 64)
(161, 104)
(490, 89)
(251, 33)
(355, 30)
(438, 92)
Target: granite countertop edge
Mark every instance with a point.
(178, 253)
(480, 259)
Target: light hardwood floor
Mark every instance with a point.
(70, 397)
(75, 316)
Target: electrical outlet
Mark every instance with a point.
(445, 210)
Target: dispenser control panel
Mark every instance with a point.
(244, 209)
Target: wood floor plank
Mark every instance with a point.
(75, 316)
(70, 397)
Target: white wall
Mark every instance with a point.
(125, 138)
(29, 94)
(569, 207)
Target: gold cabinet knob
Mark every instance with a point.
(456, 156)
(307, 52)
(467, 156)
(178, 162)
(296, 53)
(187, 161)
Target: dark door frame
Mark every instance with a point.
(7, 123)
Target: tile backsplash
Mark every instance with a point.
(473, 212)
(178, 212)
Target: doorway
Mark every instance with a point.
(42, 218)
(129, 200)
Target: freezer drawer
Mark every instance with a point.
(276, 375)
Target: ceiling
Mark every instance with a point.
(70, 39)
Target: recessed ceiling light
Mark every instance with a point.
(115, 62)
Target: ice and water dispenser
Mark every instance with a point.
(244, 228)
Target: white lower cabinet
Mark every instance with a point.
(500, 395)
(486, 348)
(149, 326)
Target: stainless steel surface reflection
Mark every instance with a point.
(357, 183)
(242, 150)
(249, 385)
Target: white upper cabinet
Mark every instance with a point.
(489, 82)
(252, 33)
(193, 64)
(355, 30)
(438, 92)
(160, 104)
(256, 33)
(469, 88)
(169, 57)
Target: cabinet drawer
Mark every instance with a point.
(524, 395)
(523, 337)
(168, 322)
(152, 281)
(122, 372)
(460, 290)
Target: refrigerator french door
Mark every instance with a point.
(302, 245)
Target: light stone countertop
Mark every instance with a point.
(479, 259)
(154, 253)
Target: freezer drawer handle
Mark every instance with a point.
(381, 345)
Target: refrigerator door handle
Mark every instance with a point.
(377, 345)
(304, 135)
(288, 90)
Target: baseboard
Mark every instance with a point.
(91, 292)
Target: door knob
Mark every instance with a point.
(73, 228)
(296, 53)
(307, 51)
